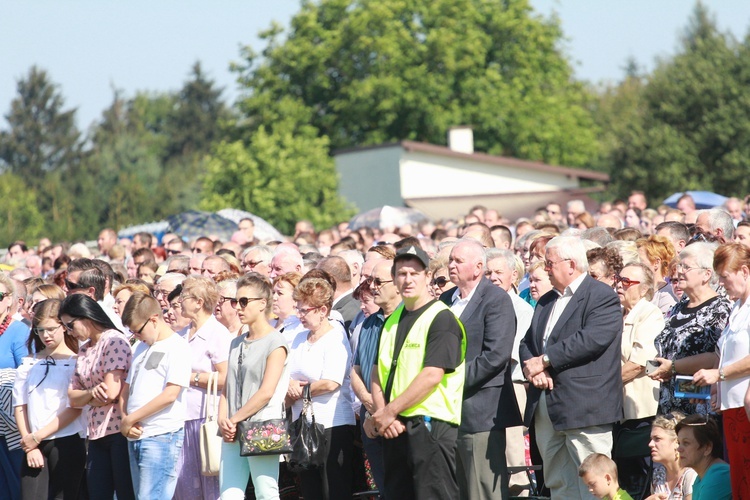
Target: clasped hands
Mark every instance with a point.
(537, 375)
(99, 395)
(383, 423)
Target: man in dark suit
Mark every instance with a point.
(489, 401)
(571, 357)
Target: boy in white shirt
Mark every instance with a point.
(152, 399)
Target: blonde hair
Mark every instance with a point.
(202, 288)
(598, 463)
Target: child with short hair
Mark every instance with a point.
(599, 473)
(154, 410)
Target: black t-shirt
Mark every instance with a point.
(443, 348)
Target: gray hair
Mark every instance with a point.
(718, 218)
(501, 253)
(598, 235)
(265, 253)
(702, 253)
(628, 251)
(477, 246)
(570, 248)
(176, 278)
(576, 206)
(352, 257)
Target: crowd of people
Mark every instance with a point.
(473, 358)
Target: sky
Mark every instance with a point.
(90, 47)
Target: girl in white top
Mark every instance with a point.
(732, 372)
(52, 433)
(321, 358)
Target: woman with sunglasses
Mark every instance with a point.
(256, 385)
(320, 357)
(209, 345)
(440, 281)
(642, 322)
(287, 322)
(102, 365)
(732, 368)
(52, 433)
(671, 480)
(692, 331)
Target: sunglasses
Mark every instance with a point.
(69, 326)
(232, 301)
(626, 282)
(73, 286)
(376, 282)
(251, 263)
(439, 282)
(4, 294)
(244, 301)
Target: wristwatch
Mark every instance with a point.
(195, 379)
(545, 360)
(722, 377)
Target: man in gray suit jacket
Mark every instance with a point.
(571, 357)
(489, 404)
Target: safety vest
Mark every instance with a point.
(444, 402)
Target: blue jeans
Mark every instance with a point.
(153, 464)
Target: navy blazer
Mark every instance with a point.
(584, 351)
(490, 323)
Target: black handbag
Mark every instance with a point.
(308, 439)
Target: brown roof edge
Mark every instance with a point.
(570, 191)
(504, 160)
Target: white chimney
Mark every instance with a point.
(461, 139)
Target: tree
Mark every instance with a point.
(687, 125)
(42, 137)
(373, 71)
(19, 212)
(282, 175)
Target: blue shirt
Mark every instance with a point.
(367, 348)
(13, 345)
(715, 484)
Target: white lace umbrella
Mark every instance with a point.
(387, 217)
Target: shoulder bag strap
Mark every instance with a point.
(394, 361)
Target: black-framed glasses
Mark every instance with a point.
(244, 301)
(39, 331)
(439, 282)
(69, 326)
(232, 301)
(378, 283)
(172, 251)
(73, 286)
(144, 326)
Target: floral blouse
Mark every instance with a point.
(690, 331)
(683, 488)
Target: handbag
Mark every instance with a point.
(266, 437)
(210, 438)
(308, 438)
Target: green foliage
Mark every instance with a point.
(42, 137)
(687, 125)
(18, 211)
(282, 175)
(373, 71)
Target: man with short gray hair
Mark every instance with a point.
(575, 208)
(571, 358)
(717, 222)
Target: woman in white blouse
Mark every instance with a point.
(52, 433)
(321, 357)
(732, 372)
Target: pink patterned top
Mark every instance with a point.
(112, 352)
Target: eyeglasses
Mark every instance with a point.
(73, 286)
(3, 295)
(377, 283)
(301, 311)
(626, 282)
(439, 282)
(682, 268)
(251, 263)
(548, 264)
(244, 301)
(39, 331)
(173, 251)
(69, 326)
(144, 326)
(232, 301)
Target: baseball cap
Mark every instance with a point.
(413, 252)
